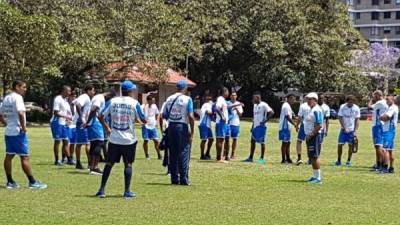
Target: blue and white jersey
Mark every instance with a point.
(286, 111)
(393, 114)
(378, 109)
(74, 116)
(12, 105)
(235, 120)
(313, 118)
(83, 101)
(97, 103)
(222, 104)
(62, 106)
(260, 114)
(349, 116)
(303, 110)
(124, 111)
(181, 109)
(205, 116)
(151, 113)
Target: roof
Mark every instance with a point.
(122, 71)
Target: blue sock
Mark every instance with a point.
(104, 178)
(128, 177)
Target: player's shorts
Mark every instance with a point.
(235, 131)
(59, 131)
(205, 133)
(227, 131)
(377, 135)
(346, 137)
(149, 134)
(220, 130)
(95, 147)
(258, 134)
(95, 131)
(388, 140)
(17, 145)
(81, 135)
(314, 146)
(301, 136)
(285, 135)
(115, 152)
(72, 135)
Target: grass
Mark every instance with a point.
(236, 193)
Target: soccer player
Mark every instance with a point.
(149, 130)
(206, 135)
(379, 107)
(327, 113)
(389, 119)
(178, 111)
(96, 131)
(285, 127)
(221, 122)
(12, 115)
(82, 104)
(313, 123)
(72, 128)
(301, 136)
(262, 113)
(349, 116)
(59, 129)
(124, 111)
(234, 123)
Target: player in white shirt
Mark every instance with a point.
(149, 130)
(389, 118)
(379, 107)
(349, 116)
(234, 125)
(313, 123)
(221, 122)
(82, 104)
(285, 127)
(262, 113)
(72, 128)
(61, 117)
(301, 136)
(206, 135)
(124, 111)
(327, 113)
(12, 114)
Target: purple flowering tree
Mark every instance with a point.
(377, 62)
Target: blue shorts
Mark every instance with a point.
(81, 135)
(377, 135)
(149, 134)
(285, 135)
(314, 146)
(388, 140)
(72, 135)
(235, 131)
(95, 131)
(301, 136)
(258, 134)
(17, 145)
(346, 137)
(205, 133)
(220, 130)
(59, 132)
(227, 131)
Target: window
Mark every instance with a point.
(397, 44)
(387, 2)
(387, 15)
(374, 31)
(397, 2)
(397, 30)
(358, 2)
(375, 2)
(374, 15)
(386, 30)
(349, 2)
(398, 15)
(358, 16)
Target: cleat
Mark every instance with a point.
(261, 161)
(227, 158)
(12, 185)
(37, 185)
(101, 194)
(79, 166)
(96, 171)
(299, 162)
(58, 163)
(348, 163)
(289, 161)
(311, 179)
(129, 195)
(71, 162)
(338, 163)
(249, 160)
(391, 170)
(315, 181)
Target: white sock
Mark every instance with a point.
(317, 174)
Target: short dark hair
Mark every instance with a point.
(88, 88)
(16, 83)
(290, 95)
(65, 87)
(222, 90)
(149, 97)
(350, 98)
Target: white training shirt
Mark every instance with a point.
(205, 117)
(286, 111)
(181, 108)
(124, 111)
(349, 116)
(235, 121)
(378, 109)
(151, 116)
(260, 112)
(313, 118)
(303, 110)
(393, 113)
(61, 105)
(223, 105)
(83, 101)
(13, 103)
(72, 123)
(97, 102)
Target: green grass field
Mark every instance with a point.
(235, 193)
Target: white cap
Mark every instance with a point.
(312, 95)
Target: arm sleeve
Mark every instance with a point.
(240, 109)
(56, 104)
(190, 106)
(328, 112)
(390, 113)
(139, 112)
(318, 117)
(20, 104)
(358, 113)
(219, 103)
(269, 109)
(106, 110)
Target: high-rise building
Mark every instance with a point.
(376, 19)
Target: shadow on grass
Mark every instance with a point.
(160, 184)
(294, 181)
(155, 174)
(93, 196)
(82, 172)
